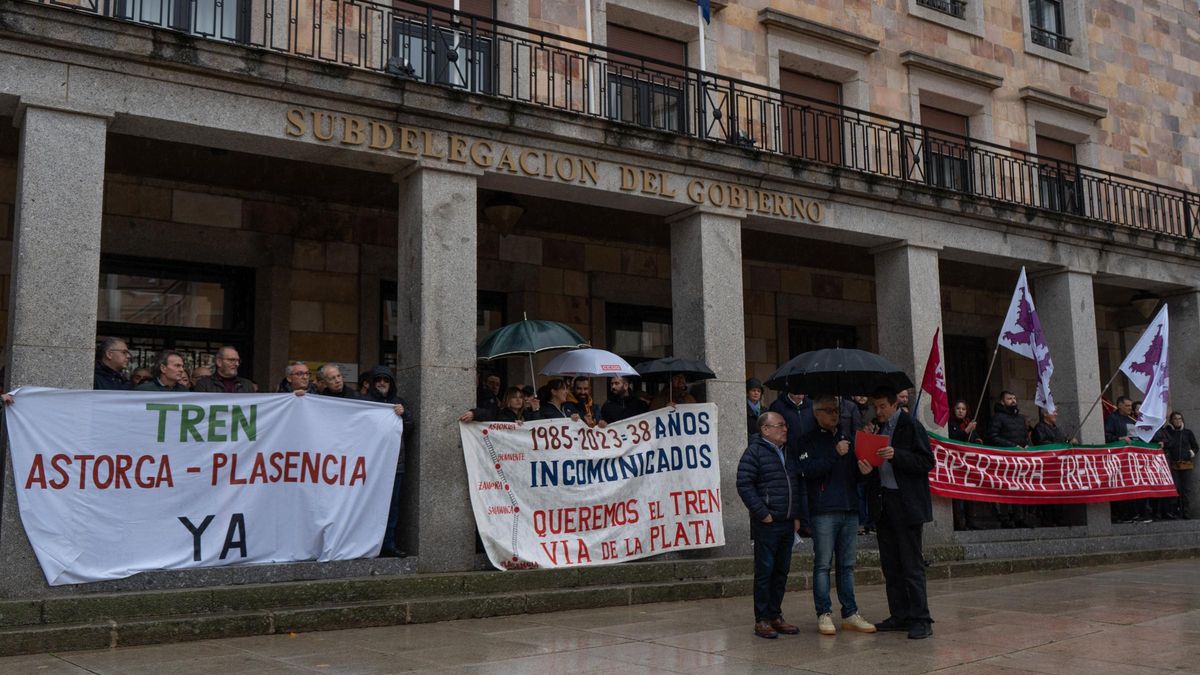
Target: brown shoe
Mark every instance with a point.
(784, 627)
(763, 630)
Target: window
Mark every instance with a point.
(811, 130)
(1046, 25)
(1057, 184)
(192, 309)
(490, 312)
(807, 336)
(638, 333)
(447, 55)
(646, 94)
(227, 20)
(946, 155)
(955, 8)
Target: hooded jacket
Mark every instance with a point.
(393, 397)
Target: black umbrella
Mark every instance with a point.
(693, 370)
(844, 372)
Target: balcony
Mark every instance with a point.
(955, 8)
(1050, 39)
(414, 42)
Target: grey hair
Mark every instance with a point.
(287, 370)
(323, 371)
(107, 344)
(763, 419)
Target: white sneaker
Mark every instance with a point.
(825, 624)
(858, 623)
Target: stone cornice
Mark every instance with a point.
(935, 65)
(773, 18)
(1052, 100)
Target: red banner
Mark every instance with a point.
(1050, 474)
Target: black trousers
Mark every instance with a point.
(772, 561)
(902, 562)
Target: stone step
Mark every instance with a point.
(176, 616)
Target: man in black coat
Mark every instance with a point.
(112, 357)
(621, 403)
(898, 493)
(1008, 428)
(769, 485)
(383, 390)
(797, 412)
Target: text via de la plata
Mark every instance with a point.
(499, 157)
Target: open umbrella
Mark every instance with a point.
(844, 372)
(590, 362)
(526, 338)
(665, 367)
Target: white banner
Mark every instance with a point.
(555, 493)
(112, 483)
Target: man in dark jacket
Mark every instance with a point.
(1008, 427)
(899, 497)
(797, 412)
(226, 379)
(1119, 426)
(832, 477)
(768, 483)
(621, 403)
(112, 357)
(754, 405)
(333, 383)
(168, 373)
(383, 390)
(1179, 443)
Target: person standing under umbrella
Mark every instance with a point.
(621, 403)
(674, 393)
(899, 496)
(554, 401)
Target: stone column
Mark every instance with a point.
(436, 344)
(908, 299)
(709, 325)
(1184, 356)
(55, 282)
(1067, 310)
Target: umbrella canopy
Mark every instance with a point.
(844, 372)
(590, 362)
(693, 370)
(527, 338)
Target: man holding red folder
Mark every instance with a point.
(898, 496)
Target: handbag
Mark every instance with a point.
(1185, 465)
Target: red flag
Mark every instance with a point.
(934, 383)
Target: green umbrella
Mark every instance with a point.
(526, 338)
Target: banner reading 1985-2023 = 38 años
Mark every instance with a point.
(556, 493)
(111, 483)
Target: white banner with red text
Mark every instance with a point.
(112, 483)
(555, 493)
(1049, 474)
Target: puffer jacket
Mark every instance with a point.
(1007, 428)
(768, 486)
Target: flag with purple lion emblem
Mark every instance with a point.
(1022, 334)
(1146, 368)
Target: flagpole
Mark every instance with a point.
(700, 23)
(1092, 409)
(985, 382)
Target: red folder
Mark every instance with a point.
(866, 446)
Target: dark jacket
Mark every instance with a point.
(490, 414)
(1045, 433)
(347, 392)
(766, 485)
(799, 418)
(153, 384)
(1177, 443)
(831, 480)
(957, 433)
(617, 408)
(849, 419)
(1118, 426)
(393, 398)
(752, 418)
(1007, 428)
(213, 384)
(108, 379)
(911, 465)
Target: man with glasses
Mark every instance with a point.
(768, 483)
(226, 379)
(297, 378)
(112, 357)
(832, 476)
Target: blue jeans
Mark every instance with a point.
(835, 532)
(772, 561)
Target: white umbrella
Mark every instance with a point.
(589, 362)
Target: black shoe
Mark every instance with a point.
(920, 630)
(891, 624)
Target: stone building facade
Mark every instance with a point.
(855, 173)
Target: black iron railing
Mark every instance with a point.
(412, 41)
(955, 8)
(1050, 39)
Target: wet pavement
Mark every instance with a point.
(1136, 618)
